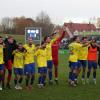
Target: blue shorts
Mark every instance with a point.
(18, 71)
(92, 64)
(73, 65)
(82, 63)
(29, 69)
(50, 64)
(1, 67)
(42, 70)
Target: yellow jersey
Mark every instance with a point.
(75, 48)
(29, 54)
(18, 59)
(41, 58)
(49, 49)
(83, 53)
(1, 55)
(73, 58)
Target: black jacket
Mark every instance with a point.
(9, 48)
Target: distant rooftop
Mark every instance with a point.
(80, 27)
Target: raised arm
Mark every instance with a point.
(97, 45)
(61, 37)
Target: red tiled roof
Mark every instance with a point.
(80, 27)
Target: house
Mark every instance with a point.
(80, 27)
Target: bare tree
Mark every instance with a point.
(98, 22)
(43, 20)
(21, 23)
(7, 24)
(1, 28)
(93, 20)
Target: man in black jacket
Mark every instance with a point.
(10, 46)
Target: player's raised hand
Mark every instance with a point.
(64, 28)
(97, 45)
(67, 32)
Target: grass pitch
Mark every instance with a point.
(55, 92)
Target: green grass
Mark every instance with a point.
(20, 38)
(61, 92)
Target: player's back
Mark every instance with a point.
(92, 53)
(75, 47)
(83, 53)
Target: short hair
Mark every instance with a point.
(0, 36)
(30, 38)
(53, 34)
(75, 37)
(45, 38)
(42, 42)
(20, 44)
(94, 40)
(37, 45)
(9, 37)
(84, 38)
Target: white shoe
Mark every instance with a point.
(0, 88)
(56, 79)
(16, 87)
(76, 81)
(95, 81)
(73, 84)
(83, 81)
(19, 87)
(40, 85)
(87, 81)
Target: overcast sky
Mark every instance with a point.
(59, 10)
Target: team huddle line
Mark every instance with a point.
(22, 58)
(82, 53)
